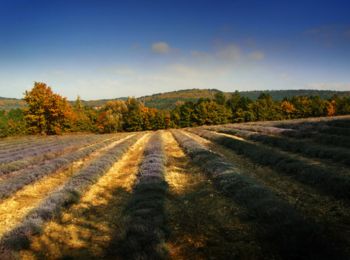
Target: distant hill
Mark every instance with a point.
(168, 100)
(10, 103)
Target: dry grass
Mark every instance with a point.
(85, 229)
(332, 213)
(202, 223)
(16, 207)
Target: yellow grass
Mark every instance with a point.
(198, 213)
(85, 229)
(16, 207)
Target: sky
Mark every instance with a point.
(108, 49)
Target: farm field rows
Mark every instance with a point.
(262, 190)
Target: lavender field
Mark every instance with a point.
(260, 190)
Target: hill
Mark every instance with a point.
(168, 100)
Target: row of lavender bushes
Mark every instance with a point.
(35, 149)
(30, 175)
(304, 172)
(39, 155)
(281, 227)
(22, 144)
(308, 149)
(146, 226)
(13, 142)
(62, 197)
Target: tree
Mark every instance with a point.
(46, 112)
(288, 109)
(331, 105)
(111, 117)
(220, 98)
(133, 117)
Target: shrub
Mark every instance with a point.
(313, 175)
(146, 232)
(65, 195)
(280, 226)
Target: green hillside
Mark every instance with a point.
(168, 100)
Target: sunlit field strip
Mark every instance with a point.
(37, 150)
(30, 175)
(63, 197)
(282, 228)
(193, 205)
(39, 155)
(40, 142)
(302, 147)
(85, 229)
(333, 214)
(14, 208)
(145, 235)
(52, 164)
(332, 184)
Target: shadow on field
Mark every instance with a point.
(81, 233)
(145, 223)
(205, 225)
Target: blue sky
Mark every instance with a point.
(106, 49)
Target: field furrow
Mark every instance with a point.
(64, 196)
(310, 174)
(283, 228)
(202, 221)
(85, 229)
(146, 232)
(325, 210)
(40, 156)
(308, 149)
(27, 176)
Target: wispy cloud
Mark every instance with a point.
(161, 47)
(257, 55)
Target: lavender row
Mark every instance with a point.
(281, 227)
(146, 232)
(9, 156)
(27, 176)
(13, 162)
(64, 196)
(24, 143)
(47, 154)
(308, 149)
(310, 174)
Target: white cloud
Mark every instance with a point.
(257, 55)
(161, 47)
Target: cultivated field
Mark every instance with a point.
(262, 190)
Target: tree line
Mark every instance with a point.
(49, 113)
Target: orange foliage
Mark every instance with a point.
(47, 112)
(331, 108)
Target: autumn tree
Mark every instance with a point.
(331, 108)
(111, 117)
(287, 108)
(133, 117)
(46, 112)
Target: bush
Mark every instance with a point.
(146, 232)
(313, 175)
(280, 226)
(66, 195)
